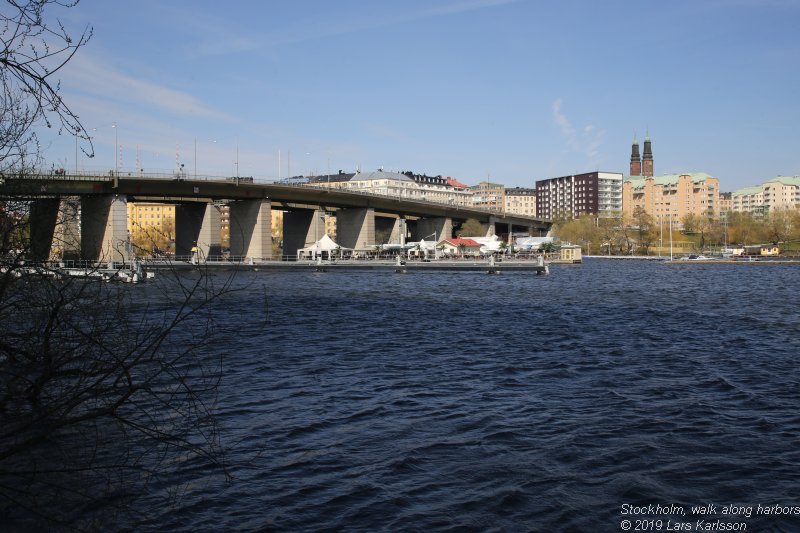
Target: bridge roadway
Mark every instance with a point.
(166, 188)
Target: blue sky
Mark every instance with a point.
(511, 90)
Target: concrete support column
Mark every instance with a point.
(43, 217)
(398, 235)
(302, 228)
(426, 227)
(104, 228)
(251, 229)
(355, 228)
(198, 225)
(491, 230)
(67, 237)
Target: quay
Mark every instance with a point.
(735, 262)
(629, 257)
(356, 266)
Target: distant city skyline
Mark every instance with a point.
(512, 91)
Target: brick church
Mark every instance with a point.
(642, 165)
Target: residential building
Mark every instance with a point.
(782, 192)
(151, 226)
(488, 195)
(399, 185)
(673, 196)
(725, 205)
(748, 200)
(149, 215)
(520, 201)
(592, 193)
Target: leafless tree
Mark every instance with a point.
(35, 48)
(102, 386)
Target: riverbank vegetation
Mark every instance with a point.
(642, 234)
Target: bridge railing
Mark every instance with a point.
(96, 175)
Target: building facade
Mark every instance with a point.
(725, 205)
(488, 195)
(669, 198)
(748, 200)
(143, 216)
(592, 193)
(151, 226)
(399, 185)
(520, 201)
(782, 192)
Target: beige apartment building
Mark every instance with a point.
(782, 192)
(671, 197)
(521, 201)
(488, 195)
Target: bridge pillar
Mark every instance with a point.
(355, 228)
(43, 216)
(198, 225)
(104, 228)
(492, 229)
(251, 229)
(398, 235)
(302, 228)
(426, 227)
(67, 237)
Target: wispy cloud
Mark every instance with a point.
(563, 123)
(107, 83)
(222, 41)
(586, 143)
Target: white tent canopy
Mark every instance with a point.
(533, 243)
(324, 246)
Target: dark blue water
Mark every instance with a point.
(443, 402)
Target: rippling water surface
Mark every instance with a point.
(432, 401)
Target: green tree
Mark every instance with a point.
(582, 231)
(472, 228)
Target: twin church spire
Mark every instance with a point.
(642, 165)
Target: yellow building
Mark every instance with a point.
(672, 197)
(521, 201)
(151, 225)
(570, 253)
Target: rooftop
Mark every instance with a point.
(637, 182)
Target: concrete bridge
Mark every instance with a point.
(89, 212)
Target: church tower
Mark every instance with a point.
(636, 160)
(647, 158)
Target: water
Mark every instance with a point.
(442, 402)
